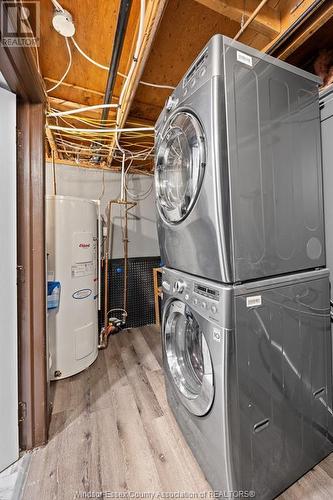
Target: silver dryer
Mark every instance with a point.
(238, 168)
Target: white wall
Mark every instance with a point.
(88, 183)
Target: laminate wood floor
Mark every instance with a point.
(112, 431)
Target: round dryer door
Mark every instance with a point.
(180, 161)
(188, 358)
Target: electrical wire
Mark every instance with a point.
(103, 186)
(110, 127)
(83, 109)
(139, 196)
(58, 6)
(67, 70)
(106, 68)
(148, 84)
(86, 122)
(100, 130)
(144, 194)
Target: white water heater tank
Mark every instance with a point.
(71, 236)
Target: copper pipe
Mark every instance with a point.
(104, 336)
(125, 255)
(129, 207)
(106, 328)
(250, 19)
(106, 252)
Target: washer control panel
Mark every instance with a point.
(206, 291)
(205, 299)
(208, 299)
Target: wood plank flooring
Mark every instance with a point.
(112, 431)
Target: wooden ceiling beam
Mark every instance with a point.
(309, 26)
(267, 21)
(51, 141)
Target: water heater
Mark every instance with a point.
(71, 237)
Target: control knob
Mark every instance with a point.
(179, 286)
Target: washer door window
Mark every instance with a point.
(180, 163)
(188, 358)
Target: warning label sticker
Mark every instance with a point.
(84, 269)
(253, 301)
(244, 58)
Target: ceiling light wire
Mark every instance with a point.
(67, 70)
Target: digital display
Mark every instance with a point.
(207, 292)
(194, 69)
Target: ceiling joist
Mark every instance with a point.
(303, 31)
(175, 31)
(266, 22)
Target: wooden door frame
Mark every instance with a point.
(18, 66)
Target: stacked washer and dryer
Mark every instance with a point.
(246, 320)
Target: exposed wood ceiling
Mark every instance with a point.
(176, 31)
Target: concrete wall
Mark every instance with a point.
(88, 183)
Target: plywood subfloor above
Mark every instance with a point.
(112, 431)
(175, 32)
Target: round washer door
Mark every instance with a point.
(188, 358)
(180, 161)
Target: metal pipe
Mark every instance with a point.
(250, 19)
(118, 42)
(110, 327)
(99, 250)
(123, 16)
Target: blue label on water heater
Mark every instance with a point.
(82, 294)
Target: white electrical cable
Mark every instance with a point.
(82, 147)
(106, 68)
(137, 196)
(100, 130)
(82, 110)
(102, 66)
(87, 57)
(67, 70)
(148, 84)
(116, 130)
(58, 6)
